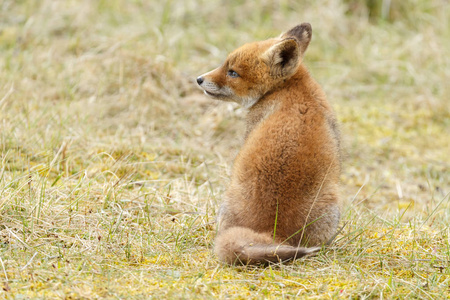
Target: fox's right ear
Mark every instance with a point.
(302, 33)
(282, 58)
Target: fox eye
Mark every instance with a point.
(232, 74)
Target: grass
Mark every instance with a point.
(113, 163)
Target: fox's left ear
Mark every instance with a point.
(302, 33)
(282, 58)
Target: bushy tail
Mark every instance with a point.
(240, 245)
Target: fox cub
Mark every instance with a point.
(282, 202)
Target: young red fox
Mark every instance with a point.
(283, 194)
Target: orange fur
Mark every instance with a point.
(283, 194)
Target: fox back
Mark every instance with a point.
(282, 202)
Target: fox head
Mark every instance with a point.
(255, 69)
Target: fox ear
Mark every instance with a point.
(302, 34)
(282, 58)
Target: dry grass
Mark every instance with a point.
(113, 163)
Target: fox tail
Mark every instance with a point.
(240, 245)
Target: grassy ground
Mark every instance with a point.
(113, 163)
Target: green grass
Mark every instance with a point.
(113, 163)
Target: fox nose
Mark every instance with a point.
(200, 80)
